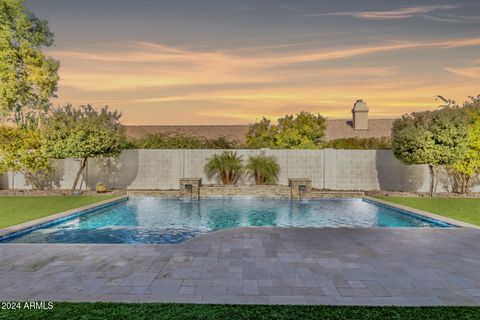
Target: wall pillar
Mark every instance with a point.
(190, 188)
(301, 188)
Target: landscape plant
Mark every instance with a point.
(467, 168)
(28, 78)
(82, 133)
(263, 169)
(227, 166)
(181, 141)
(435, 138)
(305, 130)
(360, 143)
(21, 150)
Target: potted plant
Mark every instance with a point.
(101, 188)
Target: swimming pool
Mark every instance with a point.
(156, 220)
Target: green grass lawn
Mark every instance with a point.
(467, 210)
(117, 311)
(19, 209)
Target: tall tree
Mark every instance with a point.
(468, 166)
(28, 78)
(83, 133)
(305, 130)
(434, 138)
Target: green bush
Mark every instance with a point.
(435, 138)
(264, 169)
(82, 133)
(228, 166)
(305, 130)
(221, 143)
(360, 143)
(181, 141)
(21, 150)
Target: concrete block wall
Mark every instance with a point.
(360, 170)
(3, 181)
(300, 164)
(367, 170)
(62, 177)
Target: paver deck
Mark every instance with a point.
(377, 266)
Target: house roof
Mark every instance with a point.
(377, 128)
(234, 132)
(335, 129)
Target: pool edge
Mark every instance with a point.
(33, 224)
(426, 214)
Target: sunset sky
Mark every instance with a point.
(231, 62)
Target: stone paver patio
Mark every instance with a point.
(403, 266)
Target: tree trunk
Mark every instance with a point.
(432, 179)
(83, 164)
(31, 178)
(467, 184)
(223, 176)
(259, 179)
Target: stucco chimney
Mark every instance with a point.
(360, 115)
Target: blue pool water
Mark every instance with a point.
(155, 220)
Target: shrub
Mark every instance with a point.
(263, 169)
(82, 133)
(228, 166)
(21, 150)
(305, 130)
(466, 169)
(181, 141)
(168, 141)
(436, 138)
(360, 143)
(221, 143)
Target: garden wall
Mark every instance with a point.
(3, 181)
(162, 169)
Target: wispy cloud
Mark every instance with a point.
(464, 17)
(274, 38)
(158, 80)
(145, 52)
(473, 72)
(151, 65)
(290, 9)
(443, 19)
(401, 13)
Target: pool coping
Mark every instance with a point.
(429, 215)
(32, 224)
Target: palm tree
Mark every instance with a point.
(227, 166)
(264, 169)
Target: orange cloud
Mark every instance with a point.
(153, 83)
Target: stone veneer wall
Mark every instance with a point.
(276, 192)
(245, 191)
(161, 169)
